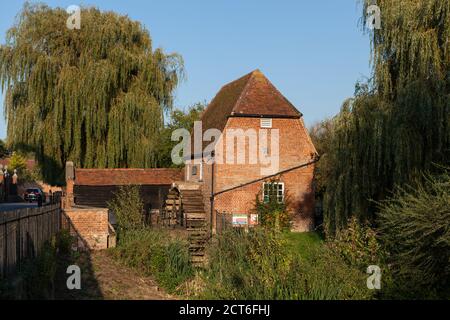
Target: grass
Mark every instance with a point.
(303, 243)
(266, 265)
(155, 253)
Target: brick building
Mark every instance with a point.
(252, 104)
(249, 137)
(88, 192)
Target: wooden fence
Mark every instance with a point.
(23, 233)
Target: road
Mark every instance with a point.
(14, 206)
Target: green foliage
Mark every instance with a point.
(30, 176)
(414, 226)
(95, 95)
(128, 208)
(321, 135)
(272, 212)
(154, 252)
(38, 276)
(17, 162)
(303, 243)
(260, 265)
(178, 120)
(398, 124)
(64, 242)
(3, 150)
(358, 245)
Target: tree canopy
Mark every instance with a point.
(96, 96)
(17, 162)
(398, 124)
(178, 119)
(3, 150)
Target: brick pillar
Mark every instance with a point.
(70, 181)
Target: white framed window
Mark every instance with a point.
(266, 123)
(275, 189)
(194, 170)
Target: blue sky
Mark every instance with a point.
(313, 51)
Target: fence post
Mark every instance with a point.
(5, 249)
(2, 221)
(18, 240)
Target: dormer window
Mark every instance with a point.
(266, 123)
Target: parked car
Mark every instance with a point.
(32, 195)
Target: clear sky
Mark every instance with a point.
(313, 51)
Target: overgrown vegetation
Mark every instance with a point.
(260, 265)
(37, 277)
(398, 123)
(153, 252)
(395, 128)
(150, 251)
(415, 230)
(272, 211)
(128, 208)
(358, 245)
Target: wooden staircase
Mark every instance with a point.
(196, 225)
(172, 214)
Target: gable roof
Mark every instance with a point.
(252, 95)
(121, 177)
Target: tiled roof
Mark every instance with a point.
(119, 177)
(252, 95)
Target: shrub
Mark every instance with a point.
(64, 242)
(358, 245)
(39, 274)
(415, 229)
(17, 162)
(259, 265)
(272, 212)
(128, 208)
(154, 252)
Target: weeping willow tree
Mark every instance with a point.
(398, 124)
(96, 96)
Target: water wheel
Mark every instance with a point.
(172, 212)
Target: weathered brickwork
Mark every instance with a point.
(295, 149)
(241, 105)
(90, 225)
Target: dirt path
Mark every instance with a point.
(104, 278)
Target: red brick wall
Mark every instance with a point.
(90, 225)
(295, 148)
